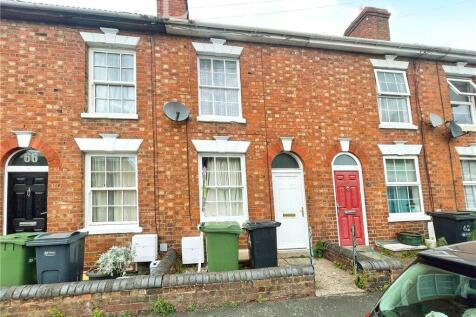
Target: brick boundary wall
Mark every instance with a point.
(136, 295)
(378, 273)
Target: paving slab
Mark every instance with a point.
(331, 280)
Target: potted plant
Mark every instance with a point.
(112, 263)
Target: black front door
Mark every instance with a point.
(26, 202)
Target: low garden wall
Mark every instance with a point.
(372, 274)
(135, 296)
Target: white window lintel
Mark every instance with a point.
(400, 149)
(107, 115)
(460, 70)
(466, 150)
(110, 39)
(221, 145)
(389, 63)
(108, 143)
(217, 49)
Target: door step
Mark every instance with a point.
(294, 253)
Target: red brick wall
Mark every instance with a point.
(371, 23)
(172, 8)
(139, 302)
(314, 95)
(44, 89)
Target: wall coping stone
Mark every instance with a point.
(148, 282)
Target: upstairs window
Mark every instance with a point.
(462, 92)
(219, 89)
(393, 98)
(112, 78)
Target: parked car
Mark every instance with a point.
(441, 282)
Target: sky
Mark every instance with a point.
(449, 23)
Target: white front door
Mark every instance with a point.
(290, 209)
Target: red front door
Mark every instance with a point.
(349, 207)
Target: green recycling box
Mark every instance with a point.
(222, 245)
(17, 261)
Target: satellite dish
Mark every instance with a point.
(176, 111)
(455, 130)
(436, 121)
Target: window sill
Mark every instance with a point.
(468, 127)
(240, 220)
(221, 119)
(402, 217)
(396, 125)
(121, 116)
(109, 229)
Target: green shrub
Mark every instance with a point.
(319, 248)
(361, 281)
(232, 304)
(125, 314)
(55, 312)
(441, 242)
(260, 299)
(97, 313)
(163, 308)
(192, 307)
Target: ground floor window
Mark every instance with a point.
(468, 167)
(111, 184)
(403, 185)
(223, 187)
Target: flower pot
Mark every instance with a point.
(95, 275)
(410, 238)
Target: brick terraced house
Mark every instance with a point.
(311, 130)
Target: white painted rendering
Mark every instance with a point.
(217, 48)
(108, 144)
(23, 138)
(287, 143)
(400, 149)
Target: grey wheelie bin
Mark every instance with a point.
(59, 256)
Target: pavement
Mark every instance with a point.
(348, 305)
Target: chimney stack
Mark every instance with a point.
(371, 23)
(177, 9)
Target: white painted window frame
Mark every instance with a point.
(466, 80)
(405, 216)
(92, 83)
(241, 219)
(108, 227)
(394, 125)
(467, 183)
(215, 118)
(471, 104)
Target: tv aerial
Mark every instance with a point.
(176, 111)
(455, 130)
(436, 121)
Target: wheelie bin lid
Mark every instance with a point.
(260, 224)
(19, 238)
(457, 215)
(222, 227)
(56, 238)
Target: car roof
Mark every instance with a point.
(460, 258)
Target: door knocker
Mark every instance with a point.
(28, 192)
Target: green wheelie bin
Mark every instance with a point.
(17, 261)
(222, 245)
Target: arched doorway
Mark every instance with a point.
(289, 202)
(25, 196)
(349, 198)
